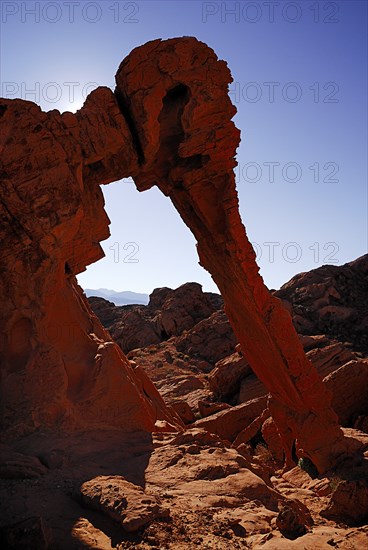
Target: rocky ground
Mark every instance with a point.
(221, 483)
(184, 341)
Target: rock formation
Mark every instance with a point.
(331, 300)
(168, 313)
(199, 389)
(59, 368)
(167, 124)
(176, 96)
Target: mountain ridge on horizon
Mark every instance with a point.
(119, 298)
(128, 297)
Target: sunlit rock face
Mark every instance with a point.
(167, 124)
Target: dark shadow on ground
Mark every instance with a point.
(55, 495)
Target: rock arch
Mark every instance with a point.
(167, 124)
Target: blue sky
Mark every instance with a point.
(300, 87)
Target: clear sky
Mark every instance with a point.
(300, 87)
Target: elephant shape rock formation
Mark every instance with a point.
(168, 123)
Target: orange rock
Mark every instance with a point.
(290, 522)
(348, 503)
(349, 387)
(250, 431)
(229, 423)
(331, 300)
(207, 408)
(211, 339)
(182, 117)
(225, 378)
(168, 124)
(122, 501)
(272, 438)
(184, 411)
(168, 314)
(59, 368)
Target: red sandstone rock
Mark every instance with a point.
(331, 300)
(211, 339)
(272, 438)
(330, 358)
(133, 330)
(251, 430)
(184, 411)
(224, 496)
(180, 136)
(59, 368)
(180, 310)
(348, 503)
(14, 465)
(224, 380)
(207, 408)
(290, 522)
(349, 387)
(168, 313)
(228, 423)
(251, 388)
(312, 342)
(122, 501)
(176, 376)
(169, 102)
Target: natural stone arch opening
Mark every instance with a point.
(148, 245)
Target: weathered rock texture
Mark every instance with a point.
(176, 93)
(168, 124)
(59, 368)
(168, 313)
(331, 300)
(122, 501)
(222, 498)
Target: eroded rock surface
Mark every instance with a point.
(121, 500)
(184, 376)
(168, 123)
(331, 300)
(168, 313)
(217, 496)
(187, 147)
(59, 368)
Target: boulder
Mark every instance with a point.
(207, 408)
(224, 380)
(211, 339)
(168, 313)
(330, 357)
(14, 465)
(122, 501)
(184, 411)
(251, 388)
(331, 300)
(348, 502)
(349, 387)
(290, 522)
(229, 423)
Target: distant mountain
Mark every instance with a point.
(123, 298)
